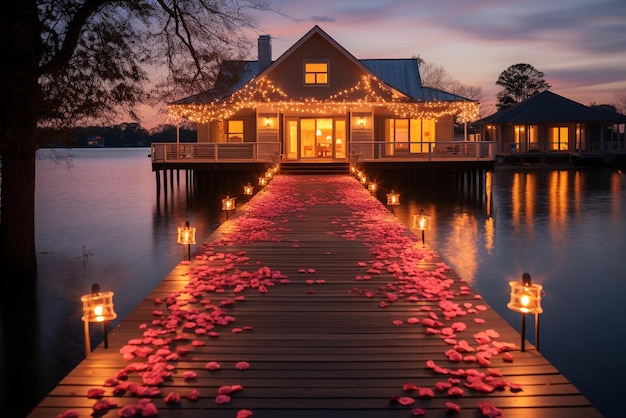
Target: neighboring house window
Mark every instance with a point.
(235, 131)
(560, 138)
(316, 72)
(533, 138)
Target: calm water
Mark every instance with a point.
(100, 220)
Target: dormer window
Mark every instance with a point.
(316, 72)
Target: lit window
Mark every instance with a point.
(316, 73)
(235, 131)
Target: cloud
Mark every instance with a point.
(321, 19)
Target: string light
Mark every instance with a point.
(369, 91)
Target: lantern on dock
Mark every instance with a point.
(186, 236)
(526, 299)
(393, 199)
(228, 204)
(372, 188)
(422, 222)
(262, 181)
(97, 307)
(248, 189)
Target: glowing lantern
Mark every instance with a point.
(97, 307)
(248, 189)
(393, 198)
(262, 181)
(526, 299)
(422, 222)
(372, 188)
(186, 236)
(228, 204)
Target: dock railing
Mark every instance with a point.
(424, 151)
(216, 152)
(359, 151)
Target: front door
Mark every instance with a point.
(315, 138)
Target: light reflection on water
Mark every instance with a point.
(564, 227)
(101, 221)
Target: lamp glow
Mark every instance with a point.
(393, 198)
(186, 236)
(248, 189)
(422, 222)
(526, 299)
(228, 204)
(97, 307)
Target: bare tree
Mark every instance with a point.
(67, 62)
(620, 98)
(437, 77)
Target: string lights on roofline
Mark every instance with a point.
(263, 91)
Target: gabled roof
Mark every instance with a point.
(401, 75)
(548, 107)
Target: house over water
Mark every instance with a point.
(318, 103)
(549, 125)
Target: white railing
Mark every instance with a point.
(431, 151)
(561, 147)
(216, 152)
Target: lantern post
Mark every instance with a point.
(526, 299)
(393, 200)
(422, 222)
(97, 307)
(228, 204)
(186, 236)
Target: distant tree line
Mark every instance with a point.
(121, 135)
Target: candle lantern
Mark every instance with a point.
(372, 188)
(97, 307)
(186, 236)
(526, 299)
(262, 181)
(393, 199)
(228, 204)
(422, 222)
(248, 189)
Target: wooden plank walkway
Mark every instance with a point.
(313, 302)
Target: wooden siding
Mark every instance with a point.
(343, 73)
(310, 286)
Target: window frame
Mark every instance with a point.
(316, 74)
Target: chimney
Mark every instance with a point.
(265, 53)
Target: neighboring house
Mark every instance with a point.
(318, 102)
(549, 123)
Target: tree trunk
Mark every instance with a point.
(17, 218)
(20, 47)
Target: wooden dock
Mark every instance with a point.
(314, 301)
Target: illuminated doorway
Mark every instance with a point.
(321, 138)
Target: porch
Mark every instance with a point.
(191, 154)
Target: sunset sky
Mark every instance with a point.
(580, 45)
